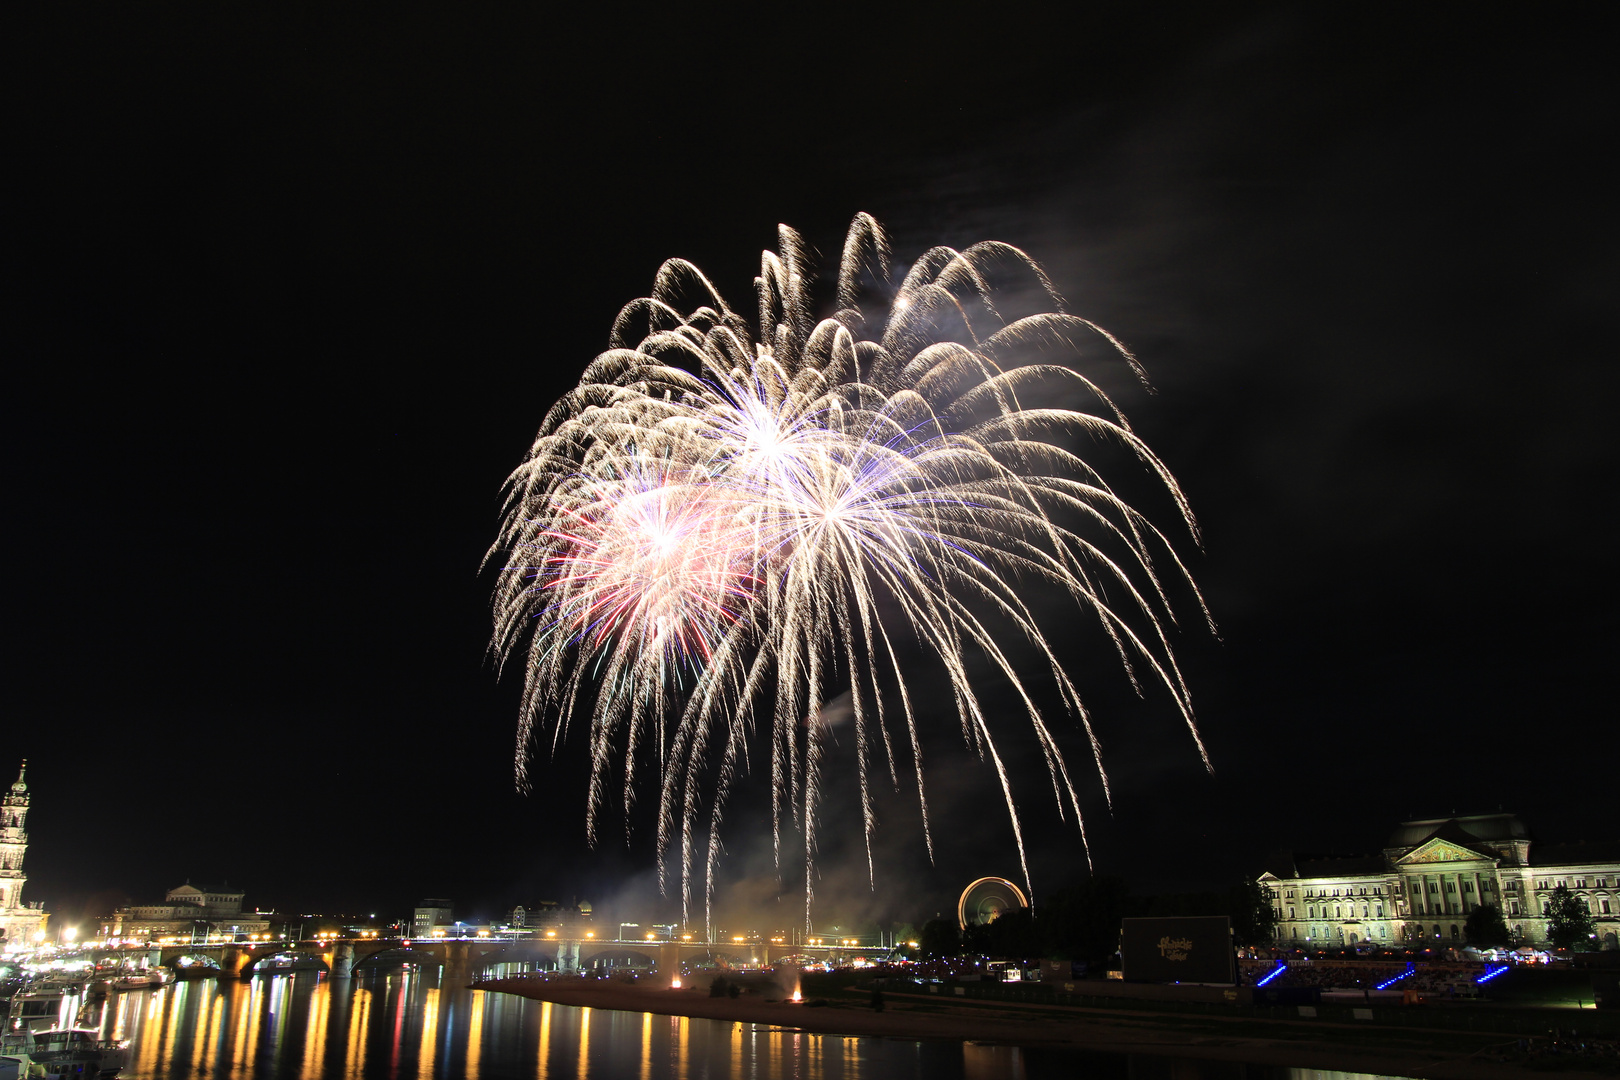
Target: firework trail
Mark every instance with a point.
(713, 525)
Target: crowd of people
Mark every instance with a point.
(1426, 979)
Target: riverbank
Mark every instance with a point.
(1410, 1052)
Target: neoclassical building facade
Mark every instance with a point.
(188, 911)
(1431, 874)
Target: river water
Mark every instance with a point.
(305, 1026)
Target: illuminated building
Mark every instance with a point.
(19, 921)
(1431, 874)
(430, 913)
(187, 911)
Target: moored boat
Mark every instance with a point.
(40, 1006)
(67, 1052)
(139, 980)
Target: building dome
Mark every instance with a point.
(20, 788)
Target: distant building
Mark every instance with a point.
(536, 916)
(1431, 874)
(430, 913)
(188, 911)
(20, 922)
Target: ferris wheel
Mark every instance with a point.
(987, 898)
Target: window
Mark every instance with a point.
(1290, 912)
(1380, 911)
(1605, 906)
(1513, 907)
(1580, 883)
(1363, 911)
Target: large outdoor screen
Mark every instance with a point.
(1189, 949)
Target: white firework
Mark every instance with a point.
(712, 525)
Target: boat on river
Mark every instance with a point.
(39, 1006)
(139, 980)
(60, 1053)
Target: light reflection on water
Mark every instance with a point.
(399, 1026)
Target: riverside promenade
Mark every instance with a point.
(1304, 1043)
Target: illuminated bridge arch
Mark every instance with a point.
(541, 954)
(190, 961)
(618, 953)
(391, 957)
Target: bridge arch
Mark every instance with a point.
(184, 961)
(395, 955)
(543, 955)
(302, 961)
(618, 955)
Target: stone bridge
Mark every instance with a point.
(459, 958)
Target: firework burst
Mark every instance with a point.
(714, 524)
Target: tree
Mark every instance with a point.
(1085, 920)
(1569, 921)
(1485, 926)
(1254, 919)
(1015, 933)
(940, 938)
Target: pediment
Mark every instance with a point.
(1438, 851)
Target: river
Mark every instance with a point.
(404, 1025)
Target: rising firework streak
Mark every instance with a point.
(713, 525)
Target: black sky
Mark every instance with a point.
(290, 295)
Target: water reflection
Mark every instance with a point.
(303, 1026)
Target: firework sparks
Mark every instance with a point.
(713, 524)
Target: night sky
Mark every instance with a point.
(290, 295)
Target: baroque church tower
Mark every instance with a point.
(18, 922)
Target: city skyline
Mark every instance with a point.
(292, 299)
